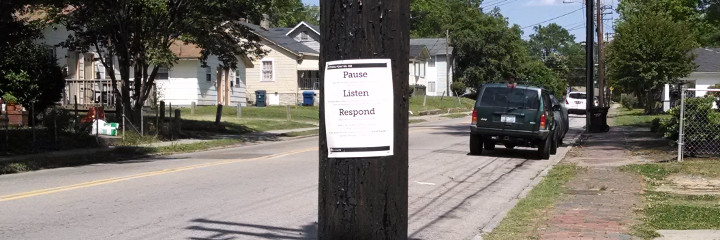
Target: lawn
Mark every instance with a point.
(441, 103)
(634, 118)
(664, 210)
(523, 220)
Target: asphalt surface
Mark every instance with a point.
(264, 191)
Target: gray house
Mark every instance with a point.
(439, 67)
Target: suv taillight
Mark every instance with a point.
(474, 117)
(566, 101)
(543, 121)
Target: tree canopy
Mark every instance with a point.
(139, 34)
(27, 71)
(288, 13)
(650, 49)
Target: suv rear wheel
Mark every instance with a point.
(553, 147)
(476, 144)
(544, 148)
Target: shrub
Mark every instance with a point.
(655, 125)
(458, 88)
(699, 117)
(628, 101)
(9, 98)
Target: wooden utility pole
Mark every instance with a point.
(601, 55)
(366, 198)
(589, 45)
(447, 61)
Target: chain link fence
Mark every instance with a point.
(699, 130)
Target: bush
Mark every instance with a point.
(655, 125)
(417, 90)
(699, 117)
(628, 101)
(458, 88)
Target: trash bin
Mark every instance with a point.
(598, 119)
(308, 98)
(260, 98)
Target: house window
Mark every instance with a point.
(237, 78)
(431, 87)
(208, 74)
(267, 71)
(304, 36)
(162, 73)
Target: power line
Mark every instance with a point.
(553, 18)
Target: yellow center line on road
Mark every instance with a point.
(140, 175)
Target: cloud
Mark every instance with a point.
(544, 2)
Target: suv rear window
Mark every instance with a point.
(509, 97)
(578, 95)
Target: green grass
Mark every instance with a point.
(234, 125)
(113, 155)
(522, 222)
(302, 133)
(442, 103)
(634, 118)
(663, 210)
(297, 113)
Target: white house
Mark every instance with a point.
(438, 73)
(706, 75)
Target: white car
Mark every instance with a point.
(575, 102)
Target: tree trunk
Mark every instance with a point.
(366, 198)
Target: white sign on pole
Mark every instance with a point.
(359, 108)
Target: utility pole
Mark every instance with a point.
(589, 45)
(365, 197)
(601, 55)
(447, 61)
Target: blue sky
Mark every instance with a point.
(527, 13)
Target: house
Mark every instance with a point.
(419, 56)
(187, 81)
(438, 73)
(290, 67)
(706, 75)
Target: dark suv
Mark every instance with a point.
(513, 115)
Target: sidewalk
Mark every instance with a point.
(600, 201)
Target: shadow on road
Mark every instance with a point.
(232, 230)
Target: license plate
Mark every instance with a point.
(507, 118)
(578, 102)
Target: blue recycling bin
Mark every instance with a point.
(260, 98)
(308, 98)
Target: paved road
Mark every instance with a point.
(262, 191)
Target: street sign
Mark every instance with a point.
(359, 108)
(611, 88)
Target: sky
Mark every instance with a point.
(528, 13)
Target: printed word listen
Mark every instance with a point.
(354, 113)
(355, 93)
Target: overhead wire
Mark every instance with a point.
(553, 18)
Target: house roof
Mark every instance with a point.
(185, 51)
(436, 46)
(277, 36)
(418, 51)
(312, 27)
(707, 59)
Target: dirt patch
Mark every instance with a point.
(691, 185)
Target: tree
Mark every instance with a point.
(556, 47)
(27, 71)
(703, 16)
(432, 18)
(650, 49)
(139, 34)
(486, 49)
(288, 13)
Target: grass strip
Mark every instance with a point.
(303, 133)
(523, 220)
(455, 115)
(663, 210)
(109, 155)
(634, 118)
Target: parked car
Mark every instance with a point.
(513, 115)
(575, 102)
(562, 119)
